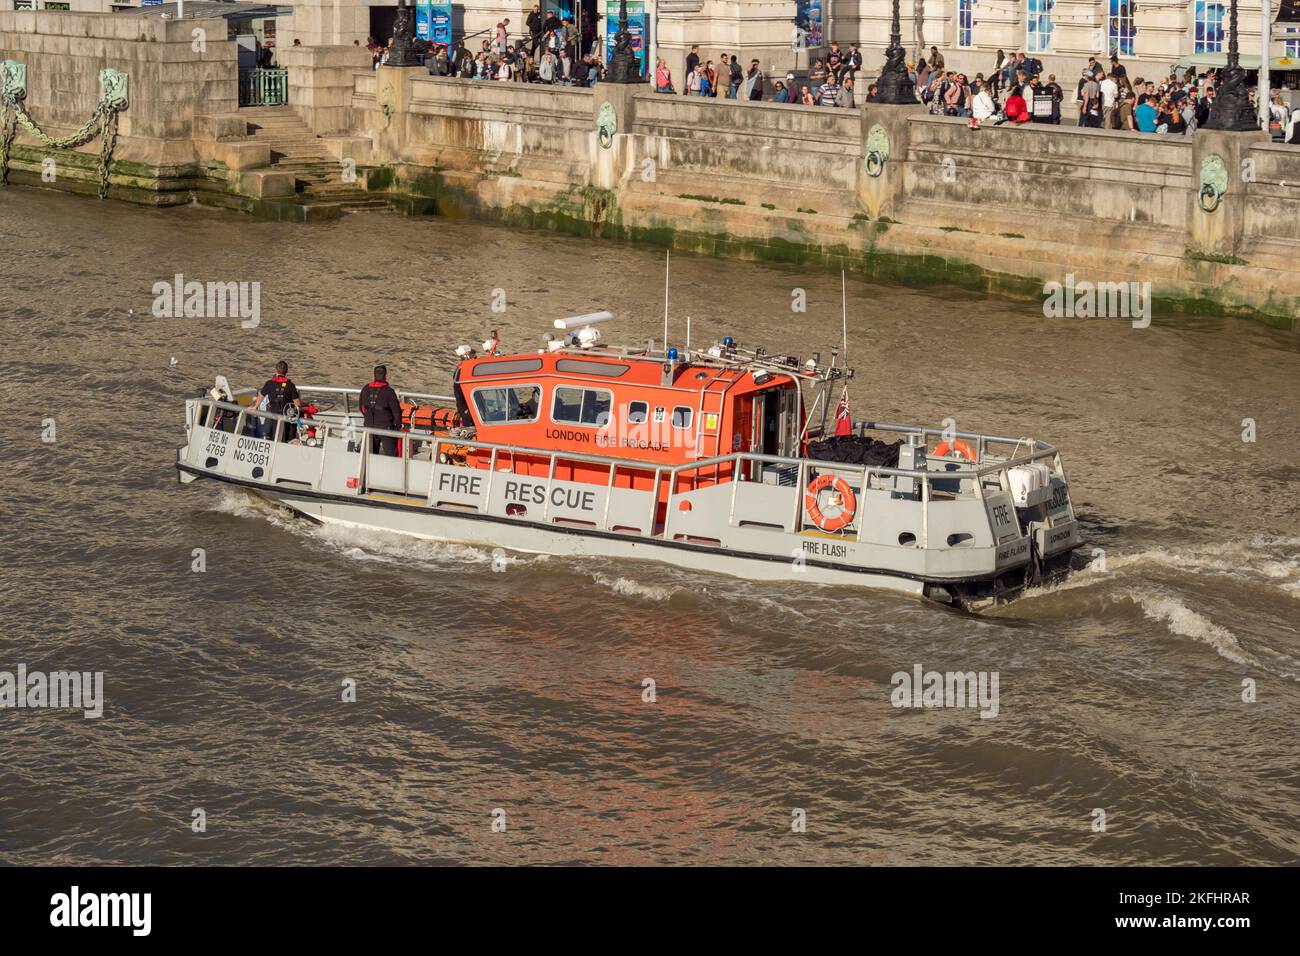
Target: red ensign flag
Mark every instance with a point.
(843, 420)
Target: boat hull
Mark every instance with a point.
(527, 538)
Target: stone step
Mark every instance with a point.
(307, 154)
(285, 129)
(295, 147)
(292, 160)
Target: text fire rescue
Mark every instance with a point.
(524, 492)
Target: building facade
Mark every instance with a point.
(786, 34)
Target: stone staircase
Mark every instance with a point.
(296, 149)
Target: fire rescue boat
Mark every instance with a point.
(709, 459)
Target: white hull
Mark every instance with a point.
(529, 539)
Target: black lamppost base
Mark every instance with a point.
(895, 86)
(400, 53)
(623, 66)
(1232, 111)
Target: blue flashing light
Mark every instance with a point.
(728, 341)
(672, 355)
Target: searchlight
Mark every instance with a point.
(579, 321)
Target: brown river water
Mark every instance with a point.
(1120, 691)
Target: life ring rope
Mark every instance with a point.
(848, 503)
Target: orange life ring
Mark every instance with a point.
(848, 503)
(958, 446)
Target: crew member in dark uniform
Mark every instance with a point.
(278, 393)
(381, 409)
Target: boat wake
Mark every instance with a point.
(1271, 562)
(1183, 621)
(1179, 588)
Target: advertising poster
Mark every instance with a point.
(433, 22)
(808, 16)
(440, 23)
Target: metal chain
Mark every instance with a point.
(108, 135)
(8, 130)
(102, 123)
(80, 137)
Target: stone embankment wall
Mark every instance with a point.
(171, 77)
(999, 208)
(887, 191)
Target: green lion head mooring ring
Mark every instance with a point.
(1214, 182)
(877, 150)
(606, 124)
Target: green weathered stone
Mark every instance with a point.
(13, 79)
(113, 88)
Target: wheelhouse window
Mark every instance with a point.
(591, 367)
(513, 367)
(582, 406)
(682, 415)
(510, 405)
(636, 412)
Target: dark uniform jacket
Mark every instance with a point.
(380, 407)
(279, 392)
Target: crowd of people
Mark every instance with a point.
(1016, 91)
(831, 82)
(551, 52)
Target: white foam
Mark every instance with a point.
(1244, 560)
(1183, 621)
(392, 547)
(245, 504)
(630, 588)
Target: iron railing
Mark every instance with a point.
(263, 87)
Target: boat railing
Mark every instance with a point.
(1041, 449)
(349, 394)
(378, 473)
(982, 446)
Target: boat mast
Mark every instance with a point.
(668, 253)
